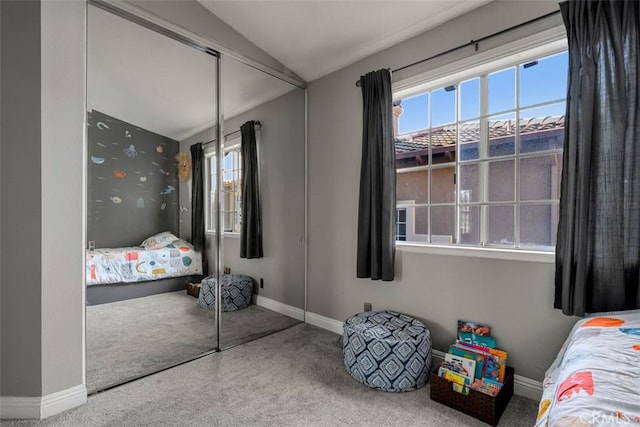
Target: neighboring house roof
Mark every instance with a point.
(444, 138)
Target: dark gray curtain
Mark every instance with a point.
(598, 245)
(197, 203)
(251, 229)
(377, 207)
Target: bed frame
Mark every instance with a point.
(103, 294)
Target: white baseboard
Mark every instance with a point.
(522, 386)
(16, 407)
(278, 307)
(327, 323)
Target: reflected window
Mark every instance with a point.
(231, 191)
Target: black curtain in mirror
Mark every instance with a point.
(598, 245)
(377, 207)
(197, 203)
(251, 229)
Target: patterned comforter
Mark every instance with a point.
(595, 379)
(135, 264)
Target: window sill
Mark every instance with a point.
(491, 253)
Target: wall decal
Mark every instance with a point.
(159, 149)
(97, 160)
(102, 126)
(168, 190)
(184, 166)
(130, 152)
(122, 211)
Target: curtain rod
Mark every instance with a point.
(472, 42)
(226, 135)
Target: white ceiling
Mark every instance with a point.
(161, 85)
(164, 86)
(314, 38)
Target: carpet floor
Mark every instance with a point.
(295, 377)
(130, 338)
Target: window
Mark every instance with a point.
(480, 159)
(231, 201)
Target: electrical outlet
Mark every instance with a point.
(367, 306)
(261, 283)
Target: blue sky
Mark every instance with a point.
(543, 82)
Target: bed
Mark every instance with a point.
(595, 379)
(161, 263)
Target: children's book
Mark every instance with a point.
(496, 360)
(474, 328)
(462, 365)
(476, 333)
(480, 358)
(452, 376)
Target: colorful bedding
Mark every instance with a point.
(595, 379)
(135, 264)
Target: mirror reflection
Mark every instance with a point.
(155, 176)
(262, 198)
(146, 93)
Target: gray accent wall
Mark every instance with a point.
(282, 188)
(515, 297)
(132, 182)
(42, 178)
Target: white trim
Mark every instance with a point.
(523, 386)
(278, 307)
(479, 252)
(327, 323)
(16, 407)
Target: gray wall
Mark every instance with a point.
(141, 201)
(21, 268)
(282, 191)
(43, 83)
(514, 297)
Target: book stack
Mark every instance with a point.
(474, 362)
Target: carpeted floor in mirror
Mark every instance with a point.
(130, 338)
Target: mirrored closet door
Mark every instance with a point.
(147, 94)
(196, 189)
(262, 203)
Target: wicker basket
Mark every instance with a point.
(193, 289)
(479, 405)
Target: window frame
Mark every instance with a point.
(510, 53)
(229, 146)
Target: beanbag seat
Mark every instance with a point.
(236, 292)
(387, 350)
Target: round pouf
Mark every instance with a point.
(236, 292)
(387, 350)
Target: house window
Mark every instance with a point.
(481, 157)
(231, 201)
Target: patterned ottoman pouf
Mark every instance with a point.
(236, 292)
(387, 350)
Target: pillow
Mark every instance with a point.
(159, 240)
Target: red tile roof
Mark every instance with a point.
(445, 136)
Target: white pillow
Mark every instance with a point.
(159, 240)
